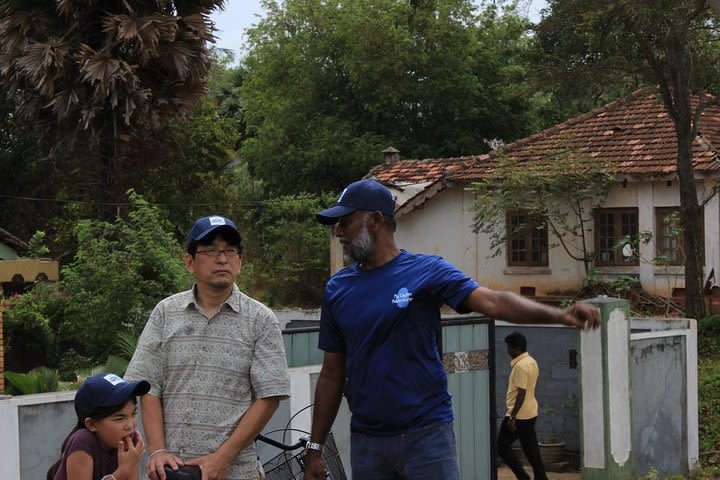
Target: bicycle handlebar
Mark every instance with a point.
(280, 445)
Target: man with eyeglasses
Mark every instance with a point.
(215, 360)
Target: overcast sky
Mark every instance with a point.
(240, 14)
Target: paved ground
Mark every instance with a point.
(505, 473)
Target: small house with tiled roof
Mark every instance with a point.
(632, 138)
(16, 271)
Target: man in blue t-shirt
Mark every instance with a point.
(379, 330)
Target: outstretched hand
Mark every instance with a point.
(581, 315)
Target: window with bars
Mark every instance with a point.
(527, 240)
(611, 226)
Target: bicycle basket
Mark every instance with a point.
(291, 465)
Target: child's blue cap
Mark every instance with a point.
(105, 390)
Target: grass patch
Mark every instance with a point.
(709, 412)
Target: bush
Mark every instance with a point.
(709, 403)
(29, 340)
(70, 363)
(292, 250)
(118, 273)
(38, 380)
(709, 336)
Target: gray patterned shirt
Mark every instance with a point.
(208, 371)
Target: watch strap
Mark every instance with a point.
(314, 446)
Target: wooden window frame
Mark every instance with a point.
(534, 242)
(621, 228)
(673, 261)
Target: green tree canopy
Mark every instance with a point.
(119, 272)
(328, 85)
(670, 43)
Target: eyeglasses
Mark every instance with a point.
(231, 252)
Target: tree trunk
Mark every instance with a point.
(105, 183)
(690, 211)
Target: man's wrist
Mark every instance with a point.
(225, 455)
(313, 447)
(157, 451)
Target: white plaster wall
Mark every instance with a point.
(9, 435)
(438, 228)
(443, 226)
(619, 386)
(712, 231)
(593, 402)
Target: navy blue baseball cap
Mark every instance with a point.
(106, 390)
(368, 194)
(203, 226)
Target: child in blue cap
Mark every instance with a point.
(105, 443)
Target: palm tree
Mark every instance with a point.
(93, 78)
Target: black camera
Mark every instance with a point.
(188, 472)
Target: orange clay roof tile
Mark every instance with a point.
(633, 136)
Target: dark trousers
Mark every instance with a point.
(525, 431)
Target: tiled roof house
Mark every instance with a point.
(632, 138)
(15, 268)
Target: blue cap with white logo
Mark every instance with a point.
(368, 194)
(105, 390)
(205, 225)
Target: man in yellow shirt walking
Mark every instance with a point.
(522, 411)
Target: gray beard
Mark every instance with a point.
(361, 247)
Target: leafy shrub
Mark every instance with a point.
(28, 338)
(38, 380)
(709, 411)
(119, 272)
(70, 363)
(709, 336)
(293, 250)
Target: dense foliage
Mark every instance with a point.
(329, 85)
(91, 79)
(293, 250)
(119, 272)
(668, 43)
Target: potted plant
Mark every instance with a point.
(552, 449)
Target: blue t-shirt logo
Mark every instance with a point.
(402, 298)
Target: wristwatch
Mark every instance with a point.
(314, 446)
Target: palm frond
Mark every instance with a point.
(126, 344)
(116, 365)
(47, 379)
